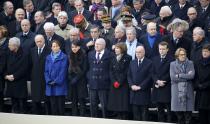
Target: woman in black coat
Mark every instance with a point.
(15, 75)
(119, 89)
(202, 86)
(77, 80)
(3, 49)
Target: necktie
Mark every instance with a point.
(176, 41)
(130, 44)
(98, 57)
(139, 63)
(39, 51)
(203, 10)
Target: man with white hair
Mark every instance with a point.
(62, 28)
(50, 35)
(98, 77)
(198, 43)
(165, 17)
(16, 81)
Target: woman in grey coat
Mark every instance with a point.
(182, 96)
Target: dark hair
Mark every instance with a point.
(103, 10)
(57, 42)
(76, 59)
(163, 43)
(94, 26)
(206, 47)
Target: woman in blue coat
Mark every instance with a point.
(56, 78)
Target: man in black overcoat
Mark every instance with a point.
(140, 82)
(38, 55)
(161, 94)
(15, 76)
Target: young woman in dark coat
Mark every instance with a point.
(119, 89)
(77, 81)
(202, 85)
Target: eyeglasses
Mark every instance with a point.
(182, 54)
(191, 14)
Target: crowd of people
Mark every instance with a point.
(123, 54)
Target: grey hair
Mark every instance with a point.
(121, 28)
(101, 40)
(74, 29)
(26, 2)
(49, 25)
(132, 29)
(15, 40)
(166, 9)
(62, 13)
(199, 31)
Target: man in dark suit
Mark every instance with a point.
(39, 19)
(161, 94)
(140, 81)
(98, 77)
(14, 27)
(7, 15)
(79, 5)
(138, 9)
(56, 8)
(151, 40)
(29, 10)
(95, 34)
(180, 9)
(203, 9)
(177, 39)
(26, 36)
(38, 55)
(50, 35)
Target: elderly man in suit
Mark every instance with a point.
(98, 77)
(38, 55)
(151, 40)
(50, 35)
(16, 69)
(140, 80)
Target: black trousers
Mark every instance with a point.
(162, 115)
(75, 107)
(97, 96)
(184, 117)
(19, 105)
(57, 105)
(204, 116)
(140, 112)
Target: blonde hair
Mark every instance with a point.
(178, 52)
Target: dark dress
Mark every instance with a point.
(119, 97)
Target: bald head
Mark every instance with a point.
(39, 40)
(140, 52)
(151, 28)
(100, 44)
(25, 25)
(8, 7)
(19, 14)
